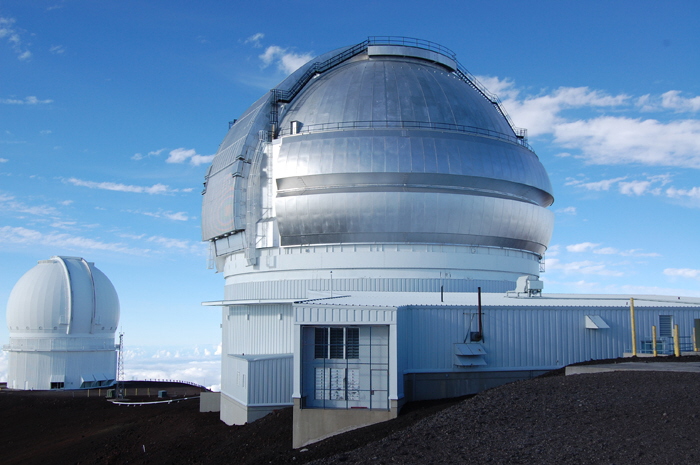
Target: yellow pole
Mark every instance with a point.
(676, 341)
(634, 329)
(695, 340)
(137, 392)
(653, 339)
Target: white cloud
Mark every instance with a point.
(582, 267)
(181, 155)
(634, 187)
(197, 248)
(197, 160)
(553, 250)
(13, 36)
(671, 100)
(9, 203)
(201, 365)
(606, 251)
(255, 39)
(57, 49)
(603, 185)
(176, 216)
(682, 272)
(152, 153)
(693, 193)
(112, 186)
(567, 210)
(542, 114)
(582, 247)
(4, 160)
(610, 140)
(30, 100)
(595, 248)
(24, 236)
(287, 62)
(607, 140)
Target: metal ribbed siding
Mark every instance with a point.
(224, 201)
(297, 288)
(260, 333)
(264, 392)
(34, 370)
(343, 315)
(526, 337)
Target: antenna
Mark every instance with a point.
(120, 367)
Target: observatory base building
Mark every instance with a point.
(380, 226)
(62, 316)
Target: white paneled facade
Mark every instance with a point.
(256, 368)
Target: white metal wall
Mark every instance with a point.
(258, 329)
(35, 370)
(258, 381)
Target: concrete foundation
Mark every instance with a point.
(427, 386)
(235, 413)
(313, 425)
(210, 401)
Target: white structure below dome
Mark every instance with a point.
(62, 316)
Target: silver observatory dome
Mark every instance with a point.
(389, 143)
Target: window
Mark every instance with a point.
(345, 367)
(337, 343)
(57, 385)
(666, 325)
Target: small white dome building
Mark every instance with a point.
(62, 316)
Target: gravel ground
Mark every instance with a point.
(607, 418)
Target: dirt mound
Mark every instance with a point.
(621, 418)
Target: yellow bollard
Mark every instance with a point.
(676, 342)
(653, 339)
(634, 329)
(137, 392)
(695, 340)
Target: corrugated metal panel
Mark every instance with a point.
(271, 381)
(297, 288)
(224, 201)
(258, 329)
(34, 370)
(343, 315)
(526, 337)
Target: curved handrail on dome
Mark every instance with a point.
(321, 127)
(280, 95)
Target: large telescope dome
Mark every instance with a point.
(389, 145)
(62, 316)
(63, 296)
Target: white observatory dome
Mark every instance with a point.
(63, 295)
(62, 316)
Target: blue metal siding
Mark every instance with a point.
(526, 337)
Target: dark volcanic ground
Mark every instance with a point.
(608, 418)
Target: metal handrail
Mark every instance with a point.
(412, 42)
(344, 125)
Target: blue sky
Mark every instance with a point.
(111, 110)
